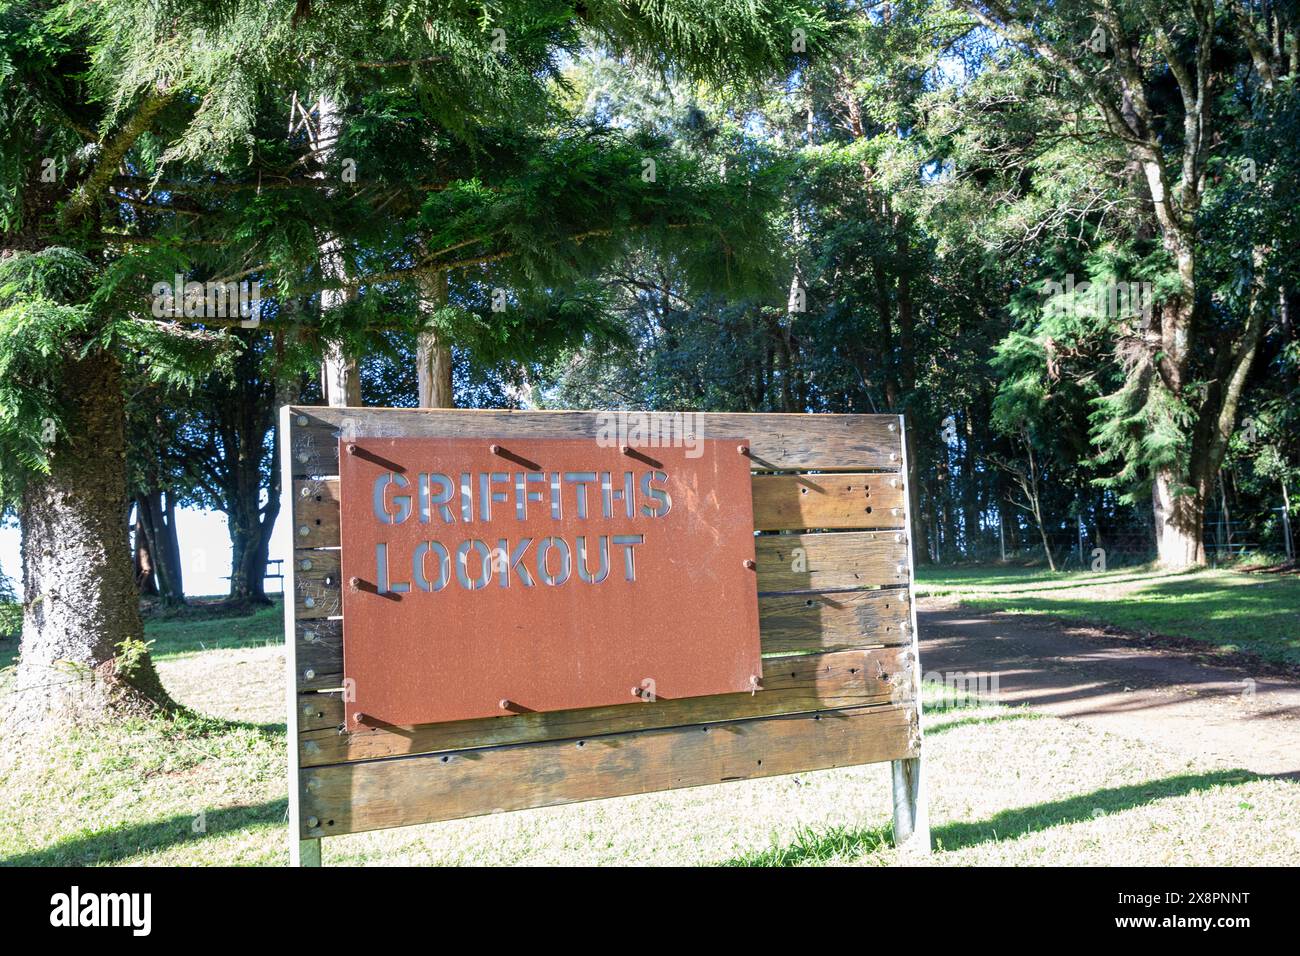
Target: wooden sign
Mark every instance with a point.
(530, 575)
(825, 523)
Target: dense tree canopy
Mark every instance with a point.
(1055, 236)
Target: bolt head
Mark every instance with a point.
(495, 449)
(313, 822)
(354, 583)
(302, 420)
(749, 563)
(742, 449)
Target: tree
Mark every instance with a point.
(1151, 77)
(157, 481)
(231, 445)
(99, 100)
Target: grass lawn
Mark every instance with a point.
(195, 630)
(1232, 610)
(1006, 787)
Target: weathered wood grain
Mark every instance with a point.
(833, 620)
(778, 442)
(319, 653)
(791, 685)
(794, 502)
(830, 560)
(316, 514)
(370, 795)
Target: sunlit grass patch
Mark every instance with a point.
(195, 629)
(1230, 610)
(1007, 786)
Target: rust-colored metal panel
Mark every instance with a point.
(498, 576)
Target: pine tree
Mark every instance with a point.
(136, 145)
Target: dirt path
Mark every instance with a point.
(1122, 684)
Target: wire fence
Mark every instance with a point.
(1133, 542)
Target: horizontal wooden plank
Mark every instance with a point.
(830, 560)
(790, 685)
(789, 623)
(374, 794)
(834, 620)
(788, 562)
(778, 442)
(781, 503)
(793, 502)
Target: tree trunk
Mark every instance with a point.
(248, 548)
(250, 536)
(340, 377)
(1179, 520)
(1047, 546)
(249, 524)
(432, 355)
(970, 508)
(82, 656)
(168, 553)
(158, 521)
(144, 570)
(1286, 522)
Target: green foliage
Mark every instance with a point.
(40, 322)
(47, 317)
(11, 612)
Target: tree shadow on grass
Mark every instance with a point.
(121, 844)
(841, 844)
(936, 724)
